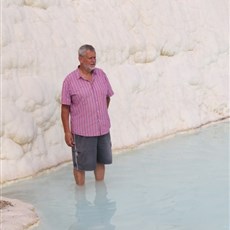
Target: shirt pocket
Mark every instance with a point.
(79, 97)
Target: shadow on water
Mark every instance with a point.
(96, 214)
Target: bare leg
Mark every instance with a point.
(99, 172)
(79, 177)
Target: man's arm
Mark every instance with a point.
(108, 101)
(65, 113)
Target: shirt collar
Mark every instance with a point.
(78, 74)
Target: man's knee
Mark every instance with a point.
(79, 177)
(99, 172)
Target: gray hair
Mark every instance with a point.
(82, 50)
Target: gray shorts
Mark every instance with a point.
(88, 151)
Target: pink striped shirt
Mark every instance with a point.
(88, 105)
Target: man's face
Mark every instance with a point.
(88, 61)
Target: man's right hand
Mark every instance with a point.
(69, 139)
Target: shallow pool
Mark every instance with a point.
(176, 184)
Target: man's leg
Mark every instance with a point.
(99, 172)
(79, 176)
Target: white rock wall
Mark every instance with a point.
(166, 60)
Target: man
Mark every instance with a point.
(85, 100)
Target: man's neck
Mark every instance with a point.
(87, 75)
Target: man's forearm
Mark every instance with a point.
(65, 118)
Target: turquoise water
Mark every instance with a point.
(176, 184)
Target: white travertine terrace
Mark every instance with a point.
(167, 62)
(17, 215)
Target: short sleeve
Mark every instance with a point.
(109, 88)
(65, 95)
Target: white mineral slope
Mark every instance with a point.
(167, 62)
(17, 215)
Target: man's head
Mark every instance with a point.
(87, 57)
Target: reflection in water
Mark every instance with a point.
(186, 187)
(93, 215)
